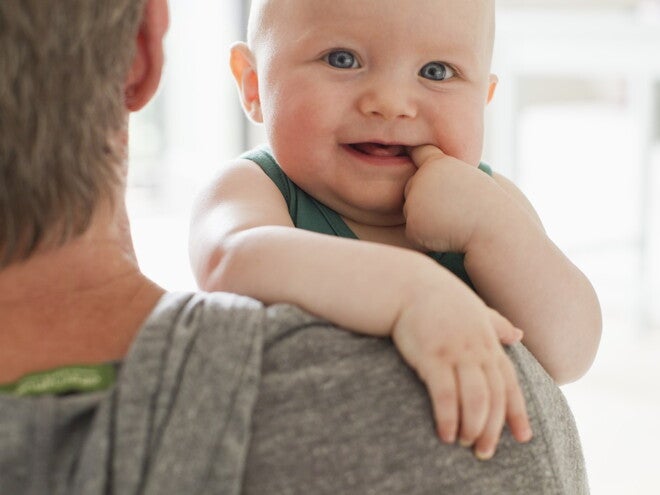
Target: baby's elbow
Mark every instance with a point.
(211, 272)
(568, 374)
(576, 364)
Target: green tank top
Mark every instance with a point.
(309, 214)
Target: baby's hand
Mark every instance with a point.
(447, 201)
(454, 345)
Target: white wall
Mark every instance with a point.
(191, 129)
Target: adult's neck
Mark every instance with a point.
(79, 303)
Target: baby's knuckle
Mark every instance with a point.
(445, 396)
(489, 344)
(443, 353)
(477, 399)
(447, 424)
(504, 363)
(498, 392)
(518, 417)
(512, 388)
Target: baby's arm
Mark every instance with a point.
(243, 241)
(513, 264)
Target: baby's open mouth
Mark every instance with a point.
(380, 150)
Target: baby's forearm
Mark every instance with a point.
(530, 281)
(359, 285)
(432, 317)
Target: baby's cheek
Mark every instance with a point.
(294, 121)
(464, 143)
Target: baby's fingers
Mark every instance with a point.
(486, 444)
(475, 399)
(424, 153)
(441, 385)
(516, 411)
(506, 332)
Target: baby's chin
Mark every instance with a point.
(376, 211)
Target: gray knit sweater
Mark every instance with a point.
(220, 395)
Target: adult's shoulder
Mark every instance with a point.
(222, 312)
(342, 413)
(215, 322)
(180, 413)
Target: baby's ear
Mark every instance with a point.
(243, 66)
(492, 84)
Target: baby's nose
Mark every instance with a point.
(388, 101)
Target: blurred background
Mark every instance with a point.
(575, 123)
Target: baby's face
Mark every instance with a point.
(346, 85)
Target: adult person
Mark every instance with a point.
(112, 385)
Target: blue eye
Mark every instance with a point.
(342, 59)
(437, 71)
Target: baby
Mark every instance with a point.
(370, 207)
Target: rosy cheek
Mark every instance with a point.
(463, 140)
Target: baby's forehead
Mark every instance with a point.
(265, 14)
(275, 21)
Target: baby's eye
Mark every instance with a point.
(436, 71)
(342, 59)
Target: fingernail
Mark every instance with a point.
(484, 455)
(448, 438)
(525, 435)
(465, 443)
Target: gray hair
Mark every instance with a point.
(63, 64)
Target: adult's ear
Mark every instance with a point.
(492, 85)
(243, 66)
(147, 66)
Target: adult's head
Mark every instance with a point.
(70, 71)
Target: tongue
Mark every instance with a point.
(380, 149)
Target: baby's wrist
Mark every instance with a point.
(502, 228)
